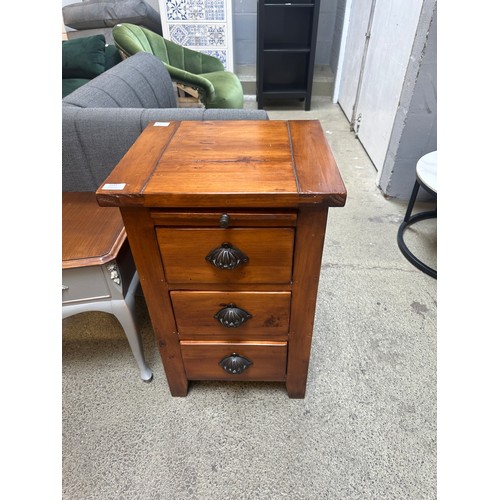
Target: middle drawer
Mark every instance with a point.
(204, 315)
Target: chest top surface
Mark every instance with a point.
(243, 163)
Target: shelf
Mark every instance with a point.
(286, 6)
(292, 27)
(282, 91)
(285, 68)
(285, 47)
(288, 3)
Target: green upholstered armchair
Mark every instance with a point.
(217, 88)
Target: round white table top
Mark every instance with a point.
(427, 170)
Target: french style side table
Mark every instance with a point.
(98, 271)
(226, 221)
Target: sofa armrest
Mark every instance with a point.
(94, 140)
(140, 81)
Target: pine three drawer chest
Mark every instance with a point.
(226, 221)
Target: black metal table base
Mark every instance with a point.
(407, 222)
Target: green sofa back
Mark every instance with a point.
(85, 58)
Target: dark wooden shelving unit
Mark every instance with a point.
(286, 46)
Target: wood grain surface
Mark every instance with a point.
(91, 235)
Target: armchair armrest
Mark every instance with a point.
(198, 82)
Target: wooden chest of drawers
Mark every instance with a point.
(226, 221)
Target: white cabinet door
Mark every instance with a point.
(202, 25)
(375, 71)
(354, 51)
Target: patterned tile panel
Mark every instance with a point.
(203, 25)
(206, 35)
(219, 54)
(196, 10)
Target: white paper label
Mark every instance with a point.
(161, 124)
(114, 187)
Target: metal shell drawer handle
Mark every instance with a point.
(235, 364)
(232, 316)
(226, 257)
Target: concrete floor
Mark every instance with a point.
(367, 426)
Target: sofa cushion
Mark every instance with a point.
(112, 56)
(83, 57)
(108, 13)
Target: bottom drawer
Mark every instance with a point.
(206, 360)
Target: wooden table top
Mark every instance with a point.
(91, 235)
(246, 163)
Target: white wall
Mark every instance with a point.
(415, 126)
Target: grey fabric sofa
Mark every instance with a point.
(103, 118)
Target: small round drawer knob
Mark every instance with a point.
(226, 257)
(224, 221)
(234, 364)
(232, 316)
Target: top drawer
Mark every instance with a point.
(224, 219)
(239, 255)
